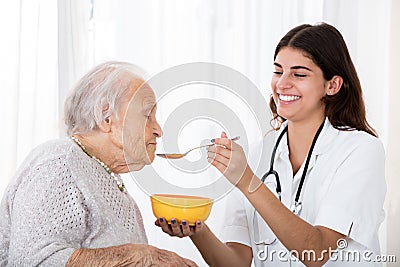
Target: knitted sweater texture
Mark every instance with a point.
(61, 200)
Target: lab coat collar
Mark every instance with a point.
(325, 138)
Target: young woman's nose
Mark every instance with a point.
(284, 82)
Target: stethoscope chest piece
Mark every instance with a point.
(296, 208)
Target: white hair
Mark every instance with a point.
(97, 94)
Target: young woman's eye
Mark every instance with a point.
(278, 72)
(299, 75)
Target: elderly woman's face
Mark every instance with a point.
(140, 127)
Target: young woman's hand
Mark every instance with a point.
(229, 158)
(179, 230)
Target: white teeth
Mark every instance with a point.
(288, 97)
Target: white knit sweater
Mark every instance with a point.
(61, 200)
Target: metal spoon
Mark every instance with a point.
(178, 156)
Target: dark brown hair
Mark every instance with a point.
(325, 45)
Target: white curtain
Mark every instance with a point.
(159, 34)
(28, 72)
(391, 81)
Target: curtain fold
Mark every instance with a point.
(10, 24)
(75, 44)
(29, 80)
(392, 126)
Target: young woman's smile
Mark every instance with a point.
(286, 99)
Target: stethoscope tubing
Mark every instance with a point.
(303, 176)
(298, 205)
(271, 165)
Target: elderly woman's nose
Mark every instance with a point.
(157, 130)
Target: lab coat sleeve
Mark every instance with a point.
(353, 204)
(235, 228)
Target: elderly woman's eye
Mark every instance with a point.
(147, 113)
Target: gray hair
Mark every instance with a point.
(97, 94)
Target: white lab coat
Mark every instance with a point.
(344, 190)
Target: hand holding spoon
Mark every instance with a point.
(178, 156)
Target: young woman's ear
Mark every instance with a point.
(334, 85)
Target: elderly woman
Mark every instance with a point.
(67, 204)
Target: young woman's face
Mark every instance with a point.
(298, 86)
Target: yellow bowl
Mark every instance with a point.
(180, 207)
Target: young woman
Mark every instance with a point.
(317, 196)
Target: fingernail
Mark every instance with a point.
(161, 220)
(173, 221)
(212, 140)
(183, 222)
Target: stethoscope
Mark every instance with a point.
(297, 205)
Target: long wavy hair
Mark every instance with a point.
(325, 45)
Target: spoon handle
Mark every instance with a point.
(178, 156)
(235, 138)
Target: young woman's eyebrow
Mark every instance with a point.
(293, 67)
(300, 67)
(278, 65)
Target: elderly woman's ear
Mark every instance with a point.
(105, 125)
